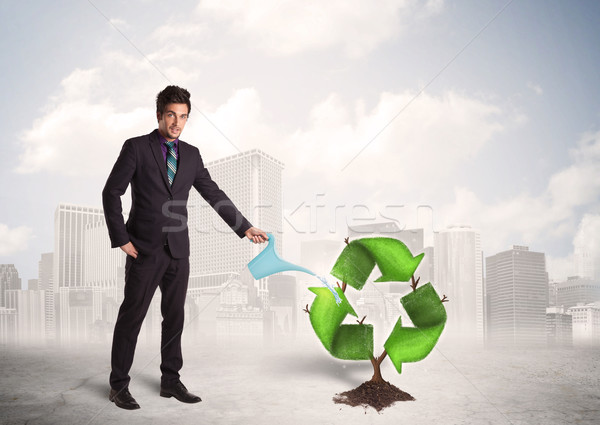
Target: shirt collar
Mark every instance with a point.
(164, 141)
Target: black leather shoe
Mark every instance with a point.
(123, 399)
(180, 392)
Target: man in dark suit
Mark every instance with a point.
(161, 170)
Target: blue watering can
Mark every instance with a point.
(268, 262)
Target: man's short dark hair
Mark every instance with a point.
(172, 94)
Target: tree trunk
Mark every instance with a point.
(376, 362)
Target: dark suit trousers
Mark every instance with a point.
(142, 275)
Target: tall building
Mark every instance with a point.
(45, 281)
(30, 307)
(9, 279)
(8, 325)
(577, 290)
(236, 319)
(586, 264)
(517, 296)
(202, 302)
(104, 268)
(252, 180)
(283, 304)
(458, 274)
(101, 262)
(586, 323)
(319, 256)
(80, 312)
(559, 327)
(426, 270)
(70, 223)
(45, 271)
(586, 246)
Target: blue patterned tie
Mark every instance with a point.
(171, 162)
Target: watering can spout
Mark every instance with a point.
(268, 262)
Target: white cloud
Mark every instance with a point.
(119, 23)
(83, 128)
(587, 239)
(80, 133)
(536, 88)
(96, 109)
(178, 34)
(423, 145)
(434, 6)
(537, 219)
(176, 43)
(15, 239)
(560, 268)
(87, 121)
(585, 258)
(288, 27)
(411, 160)
(578, 184)
(240, 119)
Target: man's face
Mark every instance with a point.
(172, 120)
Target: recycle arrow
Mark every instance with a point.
(359, 257)
(355, 342)
(428, 315)
(348, 342)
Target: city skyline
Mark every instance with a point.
(575, 261)
(94, 302)
(77, 299)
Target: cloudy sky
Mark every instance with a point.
(487, 111)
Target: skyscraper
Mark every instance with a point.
(9, 279)
(80, 309)
(45, 270)
(577, 290)
(8, 325)
(104, 268)
(69, 228)
(517, 296)
(587, 248)
(458, 274)
(33, 284)
(70, 222)
(101, 262)
(283, 304)
(30, 314)
(45, 273)
(586, 323)
(559, 327)
(252, 180)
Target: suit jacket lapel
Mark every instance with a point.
(158, 156)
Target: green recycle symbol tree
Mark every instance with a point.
(355, 341)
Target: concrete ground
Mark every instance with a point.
(294, 384)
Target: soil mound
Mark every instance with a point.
(378, 395)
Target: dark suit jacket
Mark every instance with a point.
(159, 212)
